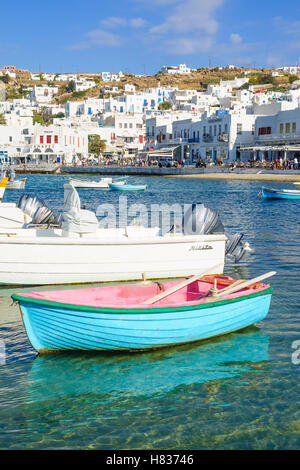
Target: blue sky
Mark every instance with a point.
(140, 36)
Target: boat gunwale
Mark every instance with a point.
(159, 309)
(293, 192)
(16, 238)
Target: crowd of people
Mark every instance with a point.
(283, 163)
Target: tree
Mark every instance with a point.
(5, 78)
(96, 145)
(165, 105)
(293, 78)
(2, 120)
(70, 86)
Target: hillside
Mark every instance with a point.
(16, 88)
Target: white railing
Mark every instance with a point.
(279, 137)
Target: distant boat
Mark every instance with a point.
(122, 317)
(127, 187)
(280, 193)
(16, 184)
(103, 183)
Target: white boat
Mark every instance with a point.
(16, 184)
(103, 183)
(10, 215)
(3, 184)
(81, 252)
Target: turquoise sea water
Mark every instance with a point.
(241, 391)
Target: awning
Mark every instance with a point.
(265, 148)
(111, 149)
(162, 152)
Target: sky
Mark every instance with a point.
(140, 36)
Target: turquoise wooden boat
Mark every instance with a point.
(120, 317)
(280, 193)
(127, 187)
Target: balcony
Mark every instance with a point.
(279, 138)
(194, 140)
(207, 138)
(223, 137)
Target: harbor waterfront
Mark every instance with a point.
(240, 391)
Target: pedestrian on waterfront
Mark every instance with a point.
(295, 163)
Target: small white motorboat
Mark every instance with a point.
(16, 184)
(103, 183)
(78, 250)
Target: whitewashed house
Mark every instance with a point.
(43, 94)
(176, 69)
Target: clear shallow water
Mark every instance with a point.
(241, 391)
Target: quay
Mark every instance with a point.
(250, 174)
(213, 172)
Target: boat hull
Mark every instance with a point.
(54, 259)
(17, 184)
(280, 194)
(102, 184)
(11, 216)
(59, 327)
(89, 184)
(127, 187)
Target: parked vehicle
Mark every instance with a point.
(200, 163)
(167, 162)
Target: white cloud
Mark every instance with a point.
(97, 37)
(117, 22)
(103, 38)
(113, 22)
(190, 15)
(137, 22)
(235, 38)
(188, 46)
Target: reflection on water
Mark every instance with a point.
(92, 389)
(144, 374)
(237, 391)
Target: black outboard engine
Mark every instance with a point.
(37, 210)
(199, 220)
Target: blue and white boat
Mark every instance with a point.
(123, 317)
(127, 187)
(280, 193)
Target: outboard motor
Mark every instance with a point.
(37, 210)
(199, 220)
(235, 249)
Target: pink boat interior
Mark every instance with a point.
(133, 295)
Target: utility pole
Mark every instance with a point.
(209, 61)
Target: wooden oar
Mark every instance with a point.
(170, 291)
(235, 288)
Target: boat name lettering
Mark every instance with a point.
(200, 247)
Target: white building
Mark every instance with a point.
(43, 94)
(176, 69)
(111, 77)
(294, 69)
(83, 84)
(276, 135)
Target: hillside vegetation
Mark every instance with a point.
(18, 88)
